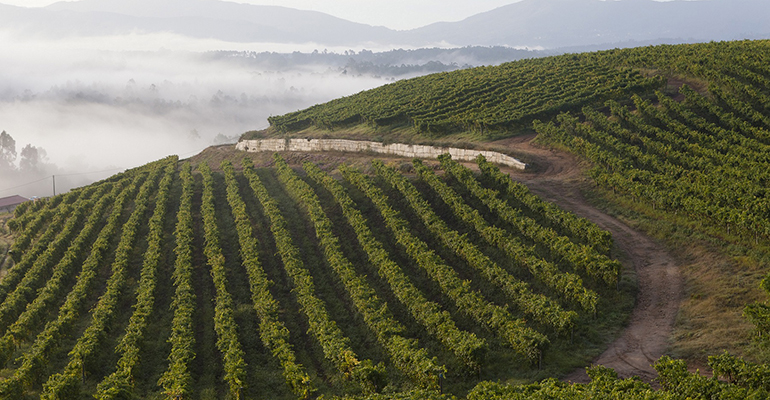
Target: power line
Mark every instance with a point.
(92, 172)
(24, 184)
(79, 173)
(52, 177)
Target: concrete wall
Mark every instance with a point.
(396, 149)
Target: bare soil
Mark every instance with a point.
(558, 177)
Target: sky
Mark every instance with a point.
(394, 14)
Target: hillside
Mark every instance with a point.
(676, 133)
(302, 271)
(479, 103)
(685, 160)
(493, 102)
(306, 275)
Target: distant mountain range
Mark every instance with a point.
(546, 24)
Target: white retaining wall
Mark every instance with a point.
(396, 149)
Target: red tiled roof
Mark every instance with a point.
(12, 201)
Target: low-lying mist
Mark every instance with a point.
(95, 106)
(93, 109)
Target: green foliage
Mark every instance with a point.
(405, 353)
(584, 258)
(119, 383)
(569, 285)
(536, 306)
(273, 332)
(526, 341)
(34, 361)
(487, 100)
(67, 266)
(25, 257)
(67, 383)
(224, 319)
(176, 380)
(578, 229)
(703, 154)
(469, 348)
(336, 346)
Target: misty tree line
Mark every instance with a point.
(31, 158)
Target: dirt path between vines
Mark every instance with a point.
(645, 339)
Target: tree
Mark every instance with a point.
(32, 158)
(7, 152)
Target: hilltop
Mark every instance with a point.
(483, 104)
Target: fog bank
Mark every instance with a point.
(93, 107)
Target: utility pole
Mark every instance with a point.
(54, 184)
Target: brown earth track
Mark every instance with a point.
(558, 178)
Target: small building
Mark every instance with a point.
(8, 204)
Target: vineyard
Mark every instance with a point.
(489, 101)
(277, 278)
(705, 155)
(177, 282)
(677, 134)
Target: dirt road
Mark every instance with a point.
(645, 339)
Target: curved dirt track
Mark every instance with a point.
(645, 338)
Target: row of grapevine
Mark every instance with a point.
(25, 260)
(335, 345)
(224, 320)
(118, 384)
(29, 217)
(418, 338)
(569, 285)
(23, 213)
(681, 181)
(272, 331)
(733, 378)
(536, 306)
(487, 100)
(41, 270)
(580, 257)
(34, 361)
(521, 338)
(67, 383)
(579, 229)
(466, 346)
(176, 380)
(404, 353)
(28, 231)
(62, 273)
